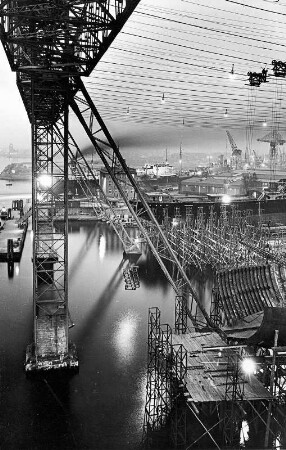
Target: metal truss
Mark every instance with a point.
(181, 315)
(81, 171)
(229, 241)
(50, 257)
(234, 393)
(61, 37)
(178, 390)
(166, 372)
(155, 236)
(216, 308)
(158, 396)
(274, 378)
(50, 45)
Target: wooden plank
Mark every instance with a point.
(207, 370)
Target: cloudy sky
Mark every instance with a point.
(166, 81)
(14, 124)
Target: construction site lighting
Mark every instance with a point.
(231, 74)
(248, 366)
(45, 180)
(226, 199)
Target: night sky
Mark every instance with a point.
(181, 52)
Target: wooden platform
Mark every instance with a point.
(207, 369)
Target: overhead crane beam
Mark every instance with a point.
(77, 162)
(118, 160)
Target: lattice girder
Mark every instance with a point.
(60, 36)
(83, 108)
(51, 319)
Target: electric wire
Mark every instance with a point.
(168, 57)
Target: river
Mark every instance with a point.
(102, 407)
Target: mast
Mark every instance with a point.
(181, 158)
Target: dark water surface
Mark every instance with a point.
(102, 407)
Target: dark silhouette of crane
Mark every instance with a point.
(236, 153)
(274, 138)
(50, 46)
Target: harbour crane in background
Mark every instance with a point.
(274, 138)
(236, 152)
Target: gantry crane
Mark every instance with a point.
(51, 46)
(274, 138)
(236, 153)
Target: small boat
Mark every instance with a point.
(8, 184)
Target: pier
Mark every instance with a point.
(12, 233)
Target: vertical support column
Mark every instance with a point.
(189, 217)
(179, 410)
(50, 348)
(234, 392)
(165, 366)
(151, 414)
(216, 308)
(181, 314)
(158, 389)
(272, 390)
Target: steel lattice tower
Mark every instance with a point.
(50, 45)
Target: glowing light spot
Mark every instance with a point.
(102, 247)
(45, 180)
(125, 335)
(248, 366)
(244, 432)
(226, 199)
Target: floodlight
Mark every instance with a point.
(248, 366)
(45, 180)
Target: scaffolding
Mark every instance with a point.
(234, 393)
(228, 241)
(166, 370)
(198, 394)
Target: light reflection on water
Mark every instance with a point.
(102, 407)
(102, 246)
(125, 334)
